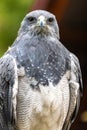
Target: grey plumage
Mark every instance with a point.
(8, 77)
(40, 80)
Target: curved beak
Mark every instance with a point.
(41, 21)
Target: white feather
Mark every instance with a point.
(15, 90)
(45, 109)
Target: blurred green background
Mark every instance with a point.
(11, 14)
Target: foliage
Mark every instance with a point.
(11, 14)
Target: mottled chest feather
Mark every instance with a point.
(44, 60)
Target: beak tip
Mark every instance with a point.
(41, 24)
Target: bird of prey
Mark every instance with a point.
(40, 80)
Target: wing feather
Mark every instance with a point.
(8, 80)
(76, 88)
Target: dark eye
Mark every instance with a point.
(31, 19)
(50, 19)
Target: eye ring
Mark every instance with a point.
(31, 19)
(50, 19)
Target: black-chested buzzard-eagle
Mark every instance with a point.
(40, 80)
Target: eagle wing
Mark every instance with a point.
(75, 87)
(8, 91)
